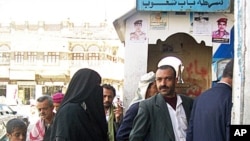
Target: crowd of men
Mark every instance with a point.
(88, 111)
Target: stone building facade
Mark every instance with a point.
(38, 58)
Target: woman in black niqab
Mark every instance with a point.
(81, 115)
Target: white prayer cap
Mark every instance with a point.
(172, 61)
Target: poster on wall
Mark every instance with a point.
(220, 33)
(138, 31)
(201, 24)
(158, 21)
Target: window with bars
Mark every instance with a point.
(19, 57)
(4, 57)
(51, 57)
(78, 58)
(93, 58)
(32, 56)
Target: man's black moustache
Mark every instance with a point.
(165, 87)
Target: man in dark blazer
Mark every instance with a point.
(211, 114)
(163, 117)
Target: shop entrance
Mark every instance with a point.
(25, 94)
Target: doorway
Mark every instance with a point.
(196, 60)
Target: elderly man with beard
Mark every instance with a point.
(45, 108)
(114, 111)
(164, 116)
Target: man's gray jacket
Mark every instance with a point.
(153, 122)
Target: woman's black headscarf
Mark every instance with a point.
(88, 122)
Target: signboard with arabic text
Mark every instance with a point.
(184, 5)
